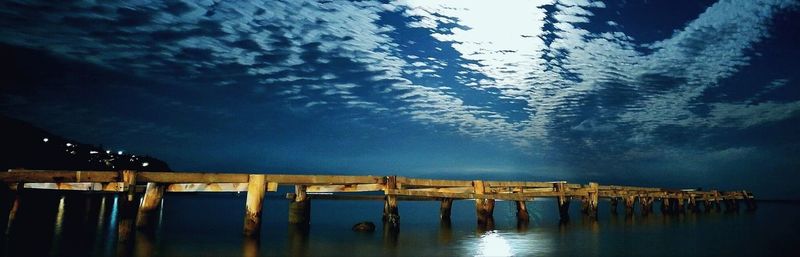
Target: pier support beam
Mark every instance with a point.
(594, 199)
(614, 204)
(522, 212)
(750, 201)
(647, 205)
(693, 204)
(563, 202)
(629, 201)
(665, 206)
(12, 213)
(300, 207)
(146, 217)
(445, 209)
(127, 207)
(256, 188)
(391, 215)
(679, 207)
(484, 208)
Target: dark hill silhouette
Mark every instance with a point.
(29, 147)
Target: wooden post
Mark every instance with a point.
(585, 205)
(693, 204)
(12, 213)
(750, 201)
(483, 207)
(647, 205)
(614, 204)
(127, 207)
(717, 198)
(146, 218)
(563, 202)
(391, 214)
(256, 188)
(522, 212)
(594, 198)
(629, 202)
(300, 207)
(665, 209)
(445, 209)
(679, 207)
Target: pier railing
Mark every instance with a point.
(331, 187)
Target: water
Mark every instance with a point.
(79, 224)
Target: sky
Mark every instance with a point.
(675, 94)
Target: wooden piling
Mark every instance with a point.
(12, 213)
(522, 212)
(256, 188)
(445, 209)
(563, 202)
(300, 207)
(614, 202)
(629, 204)
(665, 206)
(594, 198)
(679, 207)
(484, 208)
(750, 201)
(146, 217)
(391, 214)
(127, 207)
(646, 204)
(692, 204)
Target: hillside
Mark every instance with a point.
(29, 147)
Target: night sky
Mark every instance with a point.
(658, 93)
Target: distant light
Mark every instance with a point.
(92, 152)
(133, 156)
(119, 152)
(69, 144)
(108, 151)
(45, 139)
(145, 164)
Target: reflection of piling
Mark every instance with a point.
(251, 246)
(665, 206)
(300, 207)
(298, 239)
(445, 235)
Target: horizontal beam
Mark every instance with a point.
(344, 188)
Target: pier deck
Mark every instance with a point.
(332, 187)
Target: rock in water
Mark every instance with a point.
(365, 226)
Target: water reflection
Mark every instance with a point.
(493, 244)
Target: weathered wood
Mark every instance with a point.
(417, 182)
(12, 213)
(483, 207)
(345, 188)
(517, 184)
(146, 218)
(563, 201)
(614, 202)
(522, 212)
(436, 195)
(127, 208)
(391, 214)
(256, 188)
(445, 208)
(629, 204)
(34, 176)
(594, 200)
(300, 207)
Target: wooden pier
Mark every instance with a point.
(153, 185)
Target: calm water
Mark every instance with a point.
(75, 224)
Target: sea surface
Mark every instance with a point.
(80, 224)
